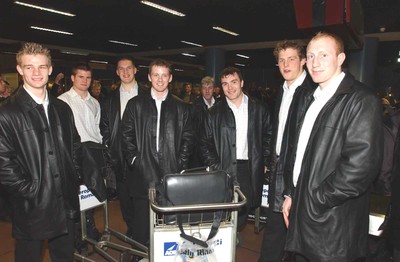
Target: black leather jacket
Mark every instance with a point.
(280, 169)
(199, 109)
(43, 179)
(110, 128)
(218, 141)
(329, 215)
(139, 128)
(394, 211)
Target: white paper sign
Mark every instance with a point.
(86, 199)
(375, 221)
(166, 243)
(264, 198)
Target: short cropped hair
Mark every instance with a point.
(296, 45)
(231, 71)
(30, 48)
(207, 80)
(80, 66)
(125, 57)
(160, 62)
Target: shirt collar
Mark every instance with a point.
(296, 83)
(122, 89)
(74, 93)
(212, 102)
(330, 89)
(245, 101)
(37, 99)
(155, 97)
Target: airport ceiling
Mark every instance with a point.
(259, 23)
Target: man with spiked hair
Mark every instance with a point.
(39, 161)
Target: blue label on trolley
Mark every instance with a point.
(170, 248)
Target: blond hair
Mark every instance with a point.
(33, 49)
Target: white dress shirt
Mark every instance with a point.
(86, 114)
(212, 102)
(125, 96)
(241, 122)
(287, 97)
(39, 101)
(158, 105)
(321, 98)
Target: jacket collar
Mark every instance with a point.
(25, 101)
(346, 86)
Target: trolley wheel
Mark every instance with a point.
(125, 257)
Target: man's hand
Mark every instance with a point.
(287, 204)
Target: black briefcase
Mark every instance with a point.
(195, 187)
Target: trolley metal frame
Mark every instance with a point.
(158, 225)
(105, 242)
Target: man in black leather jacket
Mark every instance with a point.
(338, 155)
(39, 161)
(199, 107)
(236, 138)
(291, 103)
(157, 139)
(110, 126)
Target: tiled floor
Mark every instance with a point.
(247, 251)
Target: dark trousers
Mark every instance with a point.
(61, 248)
(244, 180)
(396, 255)
(5, 205)
(300, 258)
(274, 237)
(126, 205)
(141, 229)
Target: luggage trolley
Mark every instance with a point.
(165, 236)
(89, 201)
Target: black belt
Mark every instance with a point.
(242, 161)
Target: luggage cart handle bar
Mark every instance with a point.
(196, 207)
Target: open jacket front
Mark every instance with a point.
(42, 177)
(329, 216)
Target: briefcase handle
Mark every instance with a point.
(197, 207)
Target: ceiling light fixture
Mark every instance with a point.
(71, 52)
(9, 53)
(143, 66)
(43, 8)
(121, 43)
(226, 31)
(162, 8)
(191, 43)
(187, 54)
(239, 64)
(98, 62)
(51, 30)
(179, 70)
(244, 56)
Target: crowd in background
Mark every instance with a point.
(246, 129)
